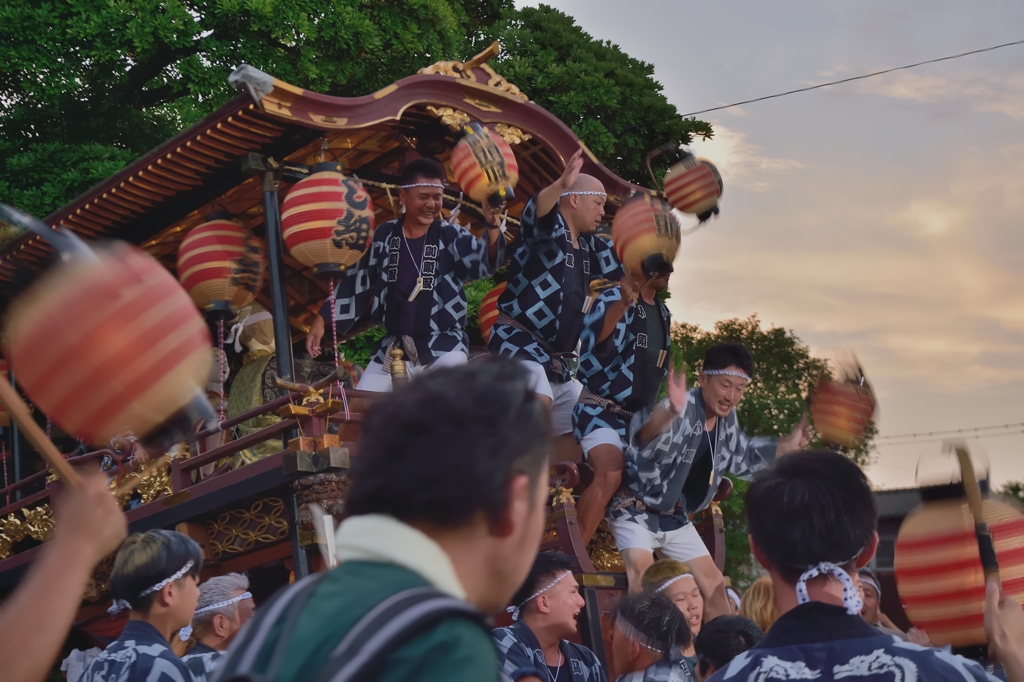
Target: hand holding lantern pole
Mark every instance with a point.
(43, 445)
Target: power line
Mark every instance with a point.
(951, 432)
(977, 436)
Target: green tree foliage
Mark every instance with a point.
(784, 373)
(608, 98)
(1014, 491)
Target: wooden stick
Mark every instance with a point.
(43, 445)
(986, 545)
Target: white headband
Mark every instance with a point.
(186, 632)
(725, 373)
(672, 580)
(121, 604)
(422, 184)
(851, 596)
(874, 583)
(591, 193)
(731, 593)
(514, 610)
(640, 638)
(236, 329)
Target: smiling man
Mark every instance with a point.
(676, 458)
(545, 611)
(411, 278)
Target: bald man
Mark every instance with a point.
(554, 257)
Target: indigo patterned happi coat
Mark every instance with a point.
(542, 269)
(451, 257)
(202, 660)
(655, 474)
(607, 368)
(665, 670)
(518, 648)
(140, 654)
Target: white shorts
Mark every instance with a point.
(602, 436)
(563, 396)
(682, 544)
(378, 380)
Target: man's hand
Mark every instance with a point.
(919, 637)
(676, 385)
(571, 172)
(797, 439)
(314, 336)
(87, 515)
(630, 288)
(1004, 627)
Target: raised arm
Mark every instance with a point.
(549, 196)
(668, 411)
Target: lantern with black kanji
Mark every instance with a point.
(646, 236)
(221, 265)
(489, 310)
(844, 405)
(327, 220)
(112, 343)
(484, 166)
(938, 567)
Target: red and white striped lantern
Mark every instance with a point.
(221, 265)
(327, 220)
(693, 185)
(111, 344)
(938, 568)
(646, 236)
(842, 411)
(489, 310)
(484, 166)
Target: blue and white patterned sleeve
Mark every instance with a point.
(604, 261)
(539, 232)
(354, 289)
(472, 257)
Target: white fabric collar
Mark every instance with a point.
(384, 539)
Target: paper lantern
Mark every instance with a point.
(327, 220)
(484, 166)
(693, 185)
(110, 344)
(489, 310)
(842, 410)
(646, 236)
(221, 266)
(938, 568)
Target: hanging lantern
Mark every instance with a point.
(938, 567)
(221, 266)
(646, 236)
(110, 342)
(327, 220)
(691, 185)
(843, 407)
(484, 166)
(489, 310)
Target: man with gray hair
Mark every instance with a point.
(225, 604)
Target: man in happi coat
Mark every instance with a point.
(155, 577)
(225, 605)
(412, 279)
(544, 612)
(624, 350)
(554, 257)
(675, 458)
(648, 637)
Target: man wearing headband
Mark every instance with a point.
(648, 636)
(674, 461)
(624, 352)
(674, 580)
(544, 611)
(540, 313)
(812, 521)
(156, 578)
(225, 605)
(411, 281)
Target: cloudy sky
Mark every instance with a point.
(884, 217)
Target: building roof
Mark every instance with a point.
(897, 503)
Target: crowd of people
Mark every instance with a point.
(446, 504)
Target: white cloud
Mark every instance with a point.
(978, 89)
(740, 162)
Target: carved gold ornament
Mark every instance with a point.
(453, 118)
(511, 134)
(36, 523)
(603, 552)
(240, 530)
(464, 70)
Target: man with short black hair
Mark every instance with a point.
(648, 637)
(812, 521)
(544, 611)
(447, 496)
(411, 278)
(554, 258)
(721, 640)
(675, 458)
(225, 605)
(156, 577)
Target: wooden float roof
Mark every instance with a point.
(156, 200)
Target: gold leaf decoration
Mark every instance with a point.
(453, 118)
(511, 134)
(241, 530)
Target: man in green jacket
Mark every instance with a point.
(448, 490)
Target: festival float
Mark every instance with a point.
(255, 209)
